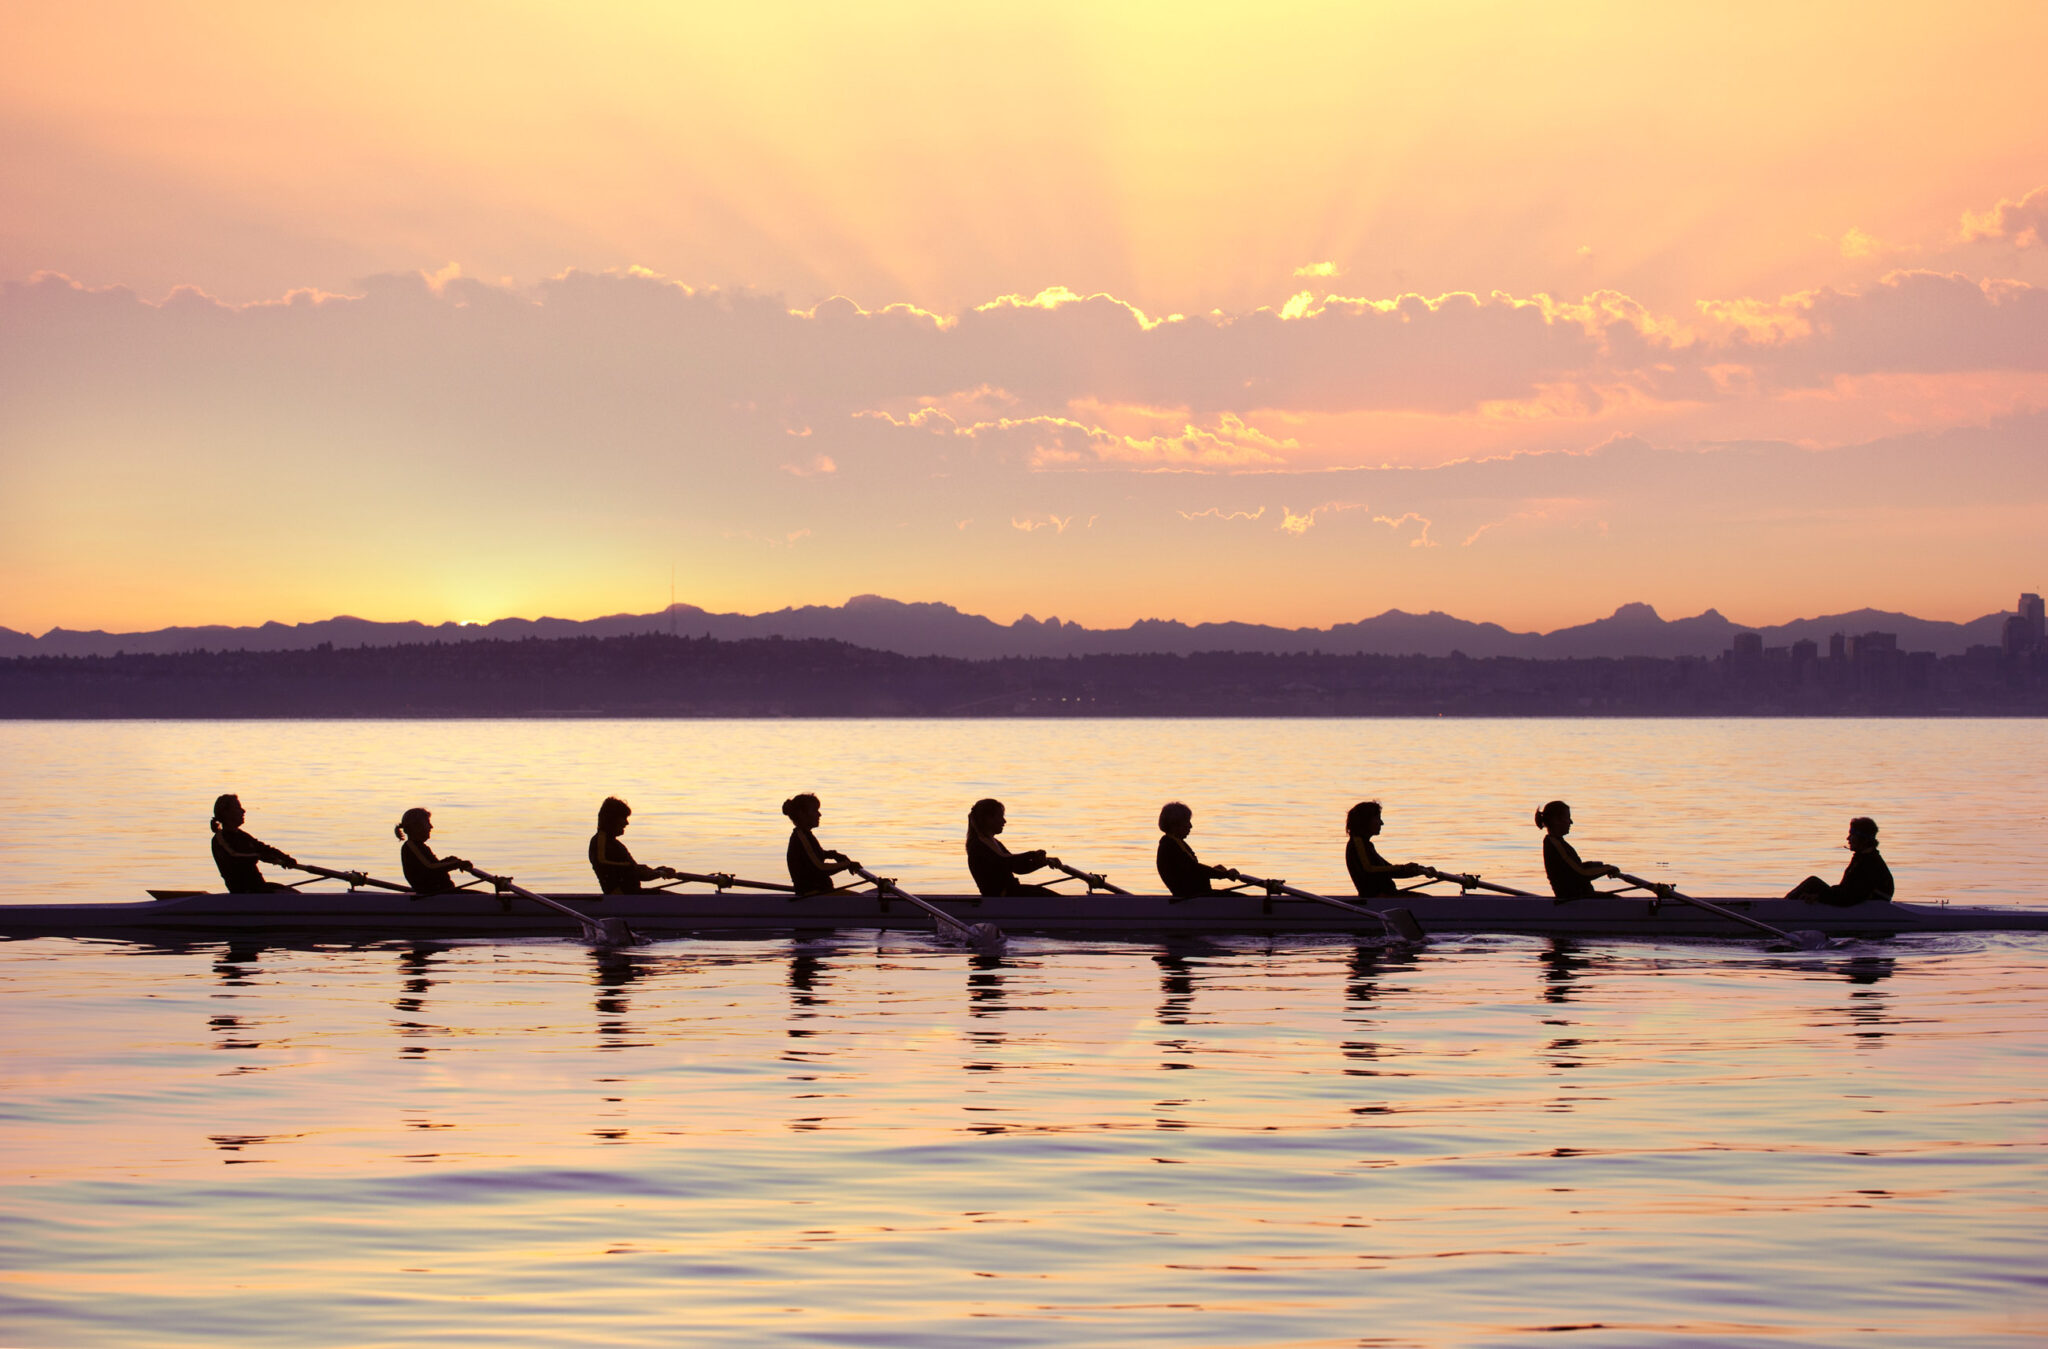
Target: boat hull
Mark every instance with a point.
(356, 915)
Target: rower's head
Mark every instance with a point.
(804, 810)
(228, 812)
(1556, 817)
(1176, 819)
(1363, 818)
(987, 815)
(612, 817)
(1862, 834)
(415, 824)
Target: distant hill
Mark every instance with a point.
(927, 629)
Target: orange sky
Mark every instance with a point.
(1804, 229)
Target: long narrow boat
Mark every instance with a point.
(359, 914)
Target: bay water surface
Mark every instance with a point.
(869, 1138)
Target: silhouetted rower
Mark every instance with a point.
(236, 851)
(424, 872)
(1571, 877)
(617, 872)
(1183, 873)
(1865, 880)
(994, 867)
(811, 866)
(1372, 874)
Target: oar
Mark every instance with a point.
(1470, 881)
(596, 931)
(984, 937)
(1096, 881)
(725, 880)
(355, 879)
(1399, 923)
(1804, 940)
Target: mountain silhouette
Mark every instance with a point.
(933, 629)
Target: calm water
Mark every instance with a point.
(872, 1140)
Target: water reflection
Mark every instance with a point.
(1563, 959)
(232, 966)
(1869, 1006)
(612, 971)
(415, 963)
(1369, 963)
(1176, 984)
(808, 981)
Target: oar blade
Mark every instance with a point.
(1404, 924)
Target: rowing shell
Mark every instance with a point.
(368, 913)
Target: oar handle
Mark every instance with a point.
(1096, 881)
(355, 879)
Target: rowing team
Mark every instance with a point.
(997, 870)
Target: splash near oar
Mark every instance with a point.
(596, 931)
(1803, 940)
(1399, 923)
(986, 938)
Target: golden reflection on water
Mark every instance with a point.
(865, 1138)
(101, 810)
(1086, 1141)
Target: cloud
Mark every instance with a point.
(2022, 223)
(1317, 269)
(819, 465)
(1301, 524)
(1397, 522)
(1218, 513)
(1056, 523)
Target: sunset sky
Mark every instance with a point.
(1286, 313)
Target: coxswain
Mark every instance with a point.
(1571, 877)
(811, 867)
(1865, 880)
(617, 872)
(236, 852)
(1184, 873)
(994, 867)
(424, 872)
(1372, 874)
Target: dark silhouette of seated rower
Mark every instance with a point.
(617, 872)
(1571, 877)
(1865, 880)
(236, 851)
(811, 867)
(994, 867)
(1184, 873)
(1372, 874)
(424, 872)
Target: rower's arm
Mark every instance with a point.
(259, 852)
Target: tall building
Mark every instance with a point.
(2031, 611)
